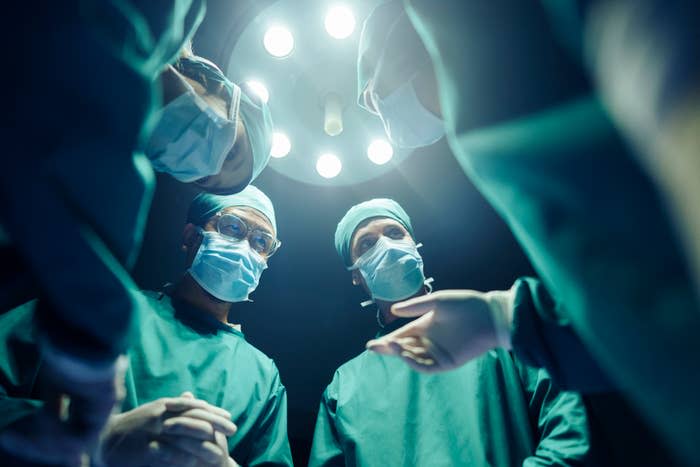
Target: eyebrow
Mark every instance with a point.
(254, 224)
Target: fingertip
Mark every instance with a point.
(379, 347)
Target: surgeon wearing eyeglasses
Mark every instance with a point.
(189, 344)
(197, 393)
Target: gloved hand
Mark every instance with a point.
(454, 327)
(78, 399)
(177, 431)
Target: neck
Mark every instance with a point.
(385, 307)
(190, 292)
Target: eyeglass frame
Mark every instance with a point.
(277, 242)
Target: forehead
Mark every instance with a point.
(251, 216)
(375, 225)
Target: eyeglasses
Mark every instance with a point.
(234, 227)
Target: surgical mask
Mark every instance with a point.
(392, 269)
(191, 141)
(406, 120)
(229, 270)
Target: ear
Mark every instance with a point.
(190, 238)
(356, 277)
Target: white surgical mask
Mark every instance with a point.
(407, 122)
(392, 269)
(229, 270)
(191, 141)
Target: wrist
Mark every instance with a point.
(501, 303)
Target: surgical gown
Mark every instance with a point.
(75, 187)
(530, 133)
(177, 349)
(492, 411)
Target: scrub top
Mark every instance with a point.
(177, 349)
(541, 148)
(492, 411)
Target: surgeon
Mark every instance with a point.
(492, 411)
(193, 379)
(84, 102)
(522, 120)
(210, 132)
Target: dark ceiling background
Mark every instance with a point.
(306, 314)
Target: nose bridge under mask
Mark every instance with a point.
(230, 270)
(190, 140)
(392, 269)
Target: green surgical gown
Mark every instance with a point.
(82, 96)
(532, 136)
(175, 350)
(493, 411)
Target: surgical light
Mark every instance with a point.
(328, 165)
(259, 89)
(280, 145)
(278, 41)
(380, 151)
(340, 22)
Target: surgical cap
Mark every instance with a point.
(378, 207)
(257, 120)
(205, 205)
(388, 44)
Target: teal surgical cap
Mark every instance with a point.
(390, 49)
(205, 205)
(379, 207)
(256, 117)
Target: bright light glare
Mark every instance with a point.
(380, 151)
(328, 165)
(278, 41)
(340, 22)
(280, 145)
(259, 89)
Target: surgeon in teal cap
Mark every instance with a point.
(522, 118)
(192, 372)
(356, 215)
(492, 411)
(210, 131)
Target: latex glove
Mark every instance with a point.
(176, 431)
(454, 327)
(78, 399)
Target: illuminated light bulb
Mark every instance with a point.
(280, 145)
(328, 165)
(278, 41)
(380, 151)
(340, 22)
